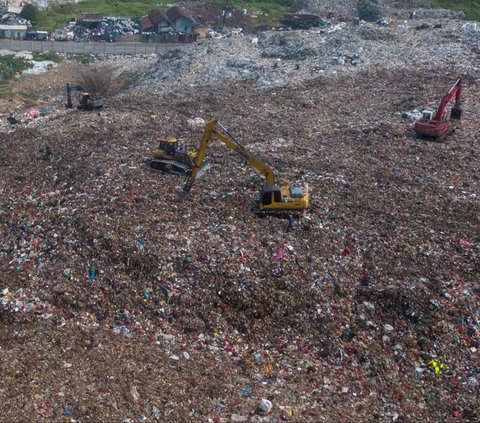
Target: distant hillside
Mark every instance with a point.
(57, 15)
(471, 8)
(270, 11)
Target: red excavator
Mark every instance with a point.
(435, 125)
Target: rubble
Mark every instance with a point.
(119, 302)
(107, 29)
(372, 10)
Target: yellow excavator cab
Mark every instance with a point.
(288, 198)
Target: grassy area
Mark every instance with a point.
(50, 56)
(25, 95)
(57, 15)
(11, 65)
(6, 92)
(84, 59)
(471, 8)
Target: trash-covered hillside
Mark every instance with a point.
(120, 302)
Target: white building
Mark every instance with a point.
(13, 31)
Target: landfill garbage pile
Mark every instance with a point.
(285, 58)
(109, 27)
(371, 10)
(330, 8)
(119, 302)
(424, 13)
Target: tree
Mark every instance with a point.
(29, 12)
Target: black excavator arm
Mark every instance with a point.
(70, 88)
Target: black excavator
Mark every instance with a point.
(86, 100)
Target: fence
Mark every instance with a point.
(70, 47)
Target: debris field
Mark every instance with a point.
(120, 302)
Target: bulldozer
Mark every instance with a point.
(86, 100)
(171, 158)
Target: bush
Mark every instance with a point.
(98, 80)
(11, 65)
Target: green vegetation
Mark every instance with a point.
(11, 65)
(30, 12)
(84, 59)
(58, 15)
(6, 92)
(471, 8)
(50, 56)
(25, 95)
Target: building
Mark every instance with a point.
(146, 24)
(160, 21)
(11, 24)
(14, 10)
(181, 21)
(92, 20)
(13, 31)
(157, 21)
(176, 24)
(11, 13)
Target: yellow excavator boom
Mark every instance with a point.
(213, 127)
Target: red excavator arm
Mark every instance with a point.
(436, 126)
(456, 91)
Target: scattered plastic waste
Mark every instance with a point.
(265, 406)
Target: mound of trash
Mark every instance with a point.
(281, 58)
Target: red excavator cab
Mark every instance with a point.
(436, 125)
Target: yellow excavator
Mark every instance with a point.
(86, 100)
(280, 201)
